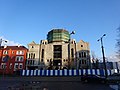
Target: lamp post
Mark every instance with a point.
(103, 54)
(73, 32)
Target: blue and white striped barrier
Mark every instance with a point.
(66, 72)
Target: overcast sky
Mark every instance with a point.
(24, 21)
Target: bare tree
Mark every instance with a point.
(118, 43)
(95, 61)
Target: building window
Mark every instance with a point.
(3, 66)
(5, 52)
(5, 58)
(80, 55)
(19, 58)
(19, 52)
(81, 45)
(12, 52)
(32, 56)
(84, 54)
(48, 60)
(57, 51)
(16, 66)
(29, 62)
(10, 66)
(32, 46)
(29, 55)
(20, 66)
(42, 53)
(72, 52)
(82, 61)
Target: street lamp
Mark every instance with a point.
(73, 32)
(103, 54)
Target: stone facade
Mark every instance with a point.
(54, 55)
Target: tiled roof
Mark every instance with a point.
(13, 48)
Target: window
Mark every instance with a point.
(72, 52)
(82, 61)
(48, 60)
(84, 54)
(5, 52)
(32, 46)
(20, 66)
(19, 52)
(42, 53)
(81, 45)
(16, 66)
(28, 62)
(19, 58)
(3, 65)
(5, 58)
(80, 55)
(57, 51)
(32, 56)
(29, 55)
(12, 52)
(10, 66)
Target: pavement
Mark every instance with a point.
(49, 83)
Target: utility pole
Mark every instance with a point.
(69, 41)
(104, 63)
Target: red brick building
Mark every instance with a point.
(12, 58)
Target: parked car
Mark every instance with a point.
(93, 78)
(114, 78)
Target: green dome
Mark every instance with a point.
(58, 35)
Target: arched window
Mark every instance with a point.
(72, 52)
(34, 56)
(85, 54)
(29, 55)
(80, 55)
